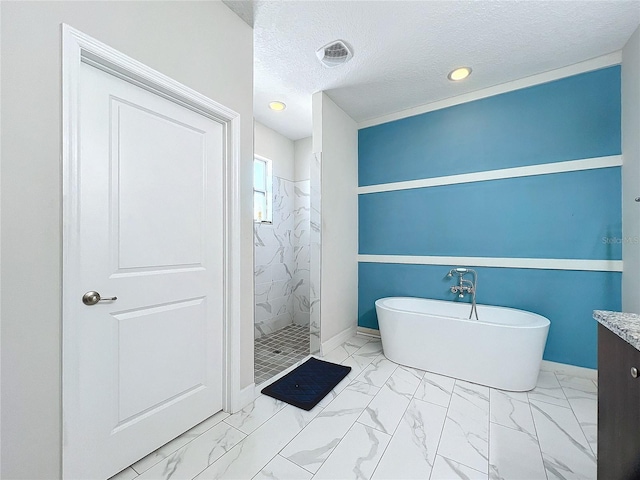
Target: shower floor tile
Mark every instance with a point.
(277, 351)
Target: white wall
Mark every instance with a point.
(338, 142)
(277, 148)
(631, 173)
(303, 153)
(201, 44)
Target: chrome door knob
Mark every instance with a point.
(634, 372)
(92, 297)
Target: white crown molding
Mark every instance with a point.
(529, 263)
(597, 63)
(516, 172)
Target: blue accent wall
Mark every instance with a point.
(573, 118)
(571, 215)
(562, 215)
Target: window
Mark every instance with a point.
(261, 190)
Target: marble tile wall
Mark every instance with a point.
(282, 260)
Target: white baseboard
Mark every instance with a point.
(371, 332)
(565, 369)
(247, 395)
(337, 340)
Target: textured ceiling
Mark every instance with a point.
(404, 50)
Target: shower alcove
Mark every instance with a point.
(283, 237)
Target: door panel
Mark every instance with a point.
(160, 356)
(156, 155)
(150, 212)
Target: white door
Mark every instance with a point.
(150, 363)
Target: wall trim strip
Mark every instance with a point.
(597, 63)
(516, 172)
(532, 263)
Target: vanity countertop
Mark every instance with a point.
(625, 325)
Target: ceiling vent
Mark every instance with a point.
(334, 54)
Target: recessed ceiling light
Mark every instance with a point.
(277, 106)
(459, 74)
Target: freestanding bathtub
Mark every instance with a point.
(503, 349)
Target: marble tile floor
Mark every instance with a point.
(277, 351)
(387, 421)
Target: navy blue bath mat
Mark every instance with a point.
(305, 386)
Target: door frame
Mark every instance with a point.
(78, 48)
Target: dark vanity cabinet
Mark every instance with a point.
(618, 407)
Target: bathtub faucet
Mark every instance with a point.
(466, 286)
(462, 289)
